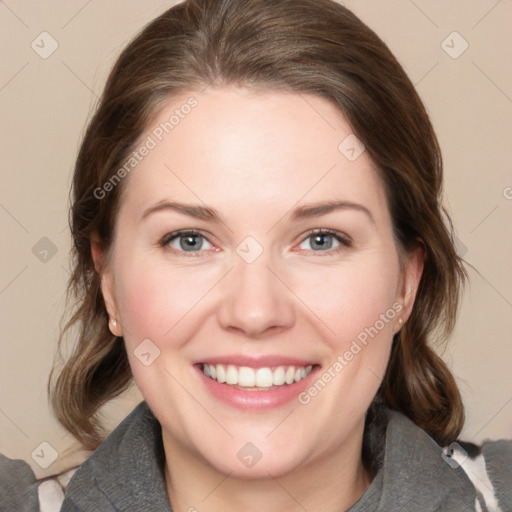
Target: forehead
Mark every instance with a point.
(236, 149)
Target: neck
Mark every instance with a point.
(332, 482)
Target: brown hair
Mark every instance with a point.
(306, 46)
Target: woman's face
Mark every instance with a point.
(254, 241)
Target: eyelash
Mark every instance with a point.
(344, 240)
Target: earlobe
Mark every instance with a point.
(106, 284)
(107, 290)
(114, 327)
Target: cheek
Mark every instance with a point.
(353, 296)
(359, 308)
(141, 309)
(155, 303)
(154, 299)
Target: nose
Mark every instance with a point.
(255, 300)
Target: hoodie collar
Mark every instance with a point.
(411, 472)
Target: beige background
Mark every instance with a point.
(45, 103)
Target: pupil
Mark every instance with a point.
(320, 241)
(190, 241)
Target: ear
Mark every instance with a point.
(413, 264)
(107, 283)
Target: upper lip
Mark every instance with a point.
(256, 362)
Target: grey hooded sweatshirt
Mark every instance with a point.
(413, 473)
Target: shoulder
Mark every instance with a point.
(418, 474)
(488, 467)
(21, 491)
(18, 486)
(126, 469)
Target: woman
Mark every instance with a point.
(259, 243)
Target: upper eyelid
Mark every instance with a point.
(342, 237)
(325, 231)
(183, 232)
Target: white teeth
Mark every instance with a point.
(278, 376)
(221, 374)
(247, 377)
(231, 375)
(264, 378)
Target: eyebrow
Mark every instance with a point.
(323, 208)
(191, 210)
(301, 212)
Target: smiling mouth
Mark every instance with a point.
(256, 379)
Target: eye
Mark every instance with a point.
(325, 240)
(186, 241)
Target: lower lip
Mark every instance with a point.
(255, 400)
